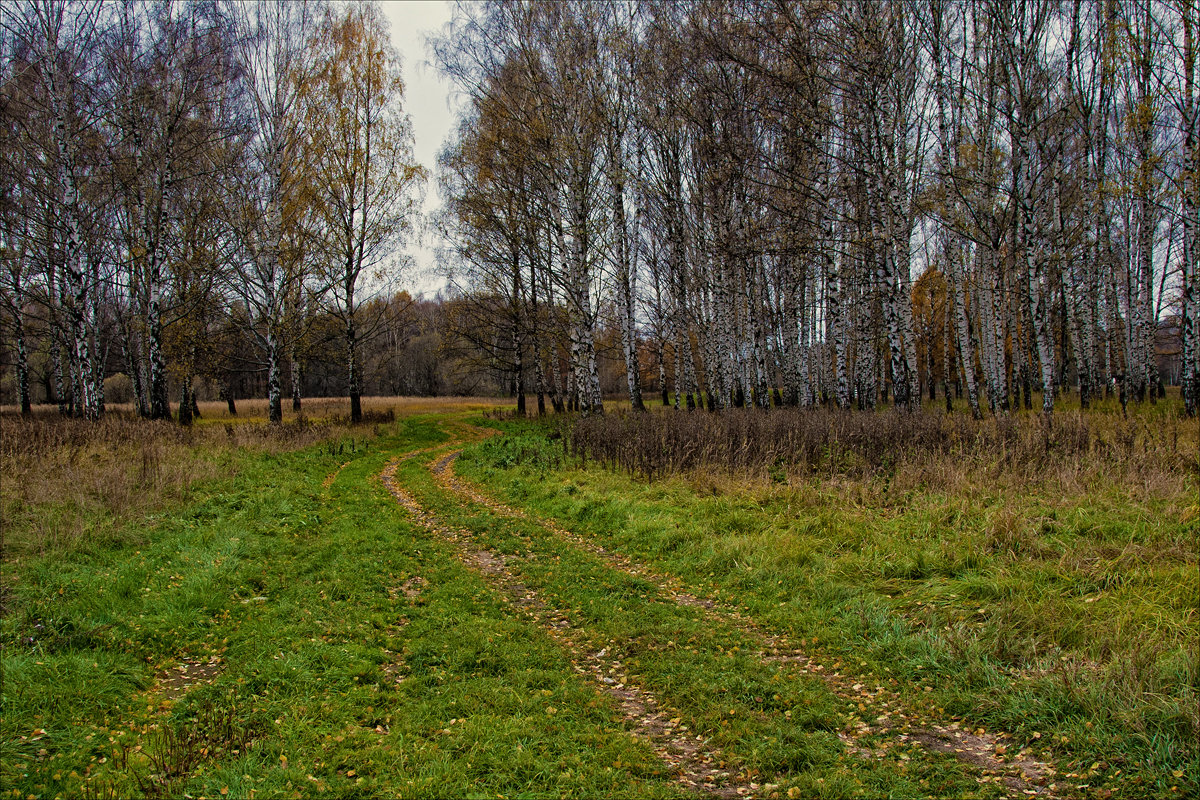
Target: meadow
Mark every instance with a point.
(451, 601)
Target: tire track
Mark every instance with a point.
(1021, 773)
(693, 763)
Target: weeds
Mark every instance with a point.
(909, 449)
(161, 763)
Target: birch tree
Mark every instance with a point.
(55, 44)
(167, 67)
(358, 154)
(273, 38)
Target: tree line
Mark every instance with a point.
(799, 203)
(199, 187)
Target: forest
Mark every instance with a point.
(736, 204)
(808, 409)
(791, 204)
(198, 189)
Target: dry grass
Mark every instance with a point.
(65, 480)
(1072, 452)
(314, 408)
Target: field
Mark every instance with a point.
(449, 601)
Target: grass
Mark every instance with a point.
(771, 723)
(1057, 602)
(70, 483)
(335, 676)
(340, 650)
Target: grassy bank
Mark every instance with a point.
(237, 610)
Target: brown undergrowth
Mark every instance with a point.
(1072, 448)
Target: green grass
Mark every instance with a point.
(358, 657)
(287, 583)
(1068, 620)
(772, 723)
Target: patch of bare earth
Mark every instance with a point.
(173, 683)
(1019, 772)
(878, 709)
(692, 761)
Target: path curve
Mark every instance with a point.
(691, 760)
(1021, 773)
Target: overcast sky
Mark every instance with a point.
(427, 98)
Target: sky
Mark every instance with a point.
(428, 99)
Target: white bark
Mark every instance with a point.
(1189, 310)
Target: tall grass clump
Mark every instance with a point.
(64, 480)
(921, 447)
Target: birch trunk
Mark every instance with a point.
(837, 313)
(966, 352)
(60, 384)
(756, 306)
(539, 375)
(1035, 280)
(353, 373)
(583, 343)
(1189, 313)
(885, 280)
(296, 378)
(274, 384)
(159, 404)
(626, 283)
(519, 370)
(18, 300)
(187, 395)
(74, 279)
(517, 325)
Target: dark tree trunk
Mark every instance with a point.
(227, 395)
(185, 404)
